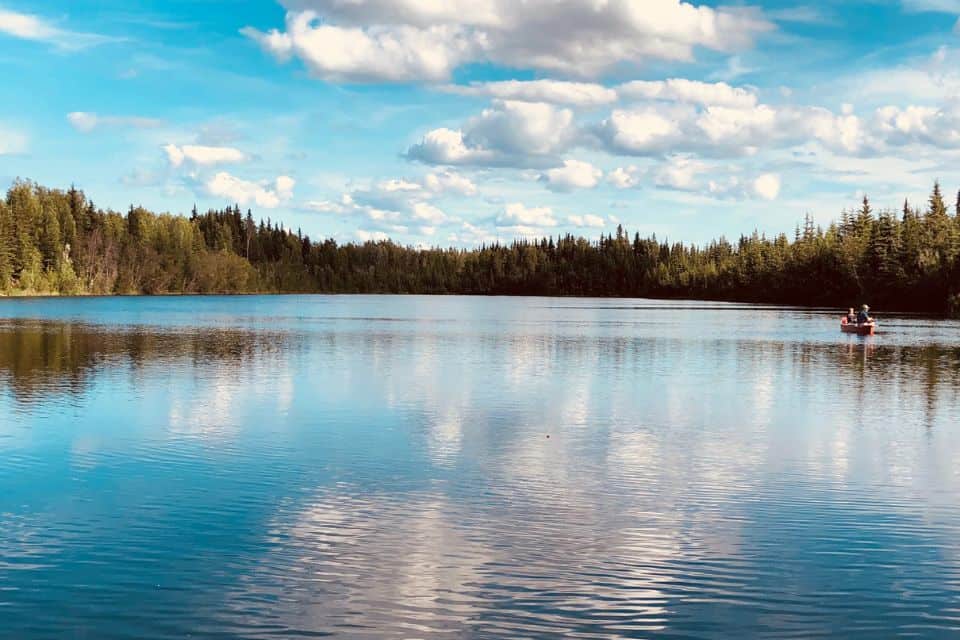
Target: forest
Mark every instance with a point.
(55, 241)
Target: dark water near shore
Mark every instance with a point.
(411, 467)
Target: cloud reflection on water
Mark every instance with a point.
(540, 471)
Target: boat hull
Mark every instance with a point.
(868, 329)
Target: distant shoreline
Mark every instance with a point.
(57, 242)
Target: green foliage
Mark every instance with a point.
(54, 241)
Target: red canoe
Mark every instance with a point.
(867, 329)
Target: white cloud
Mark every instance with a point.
(424, 212)
(624, 177)
(723, 131)
(578, 94)
(763, 187)
(449, 182)
(767, 186)
(445, 146)
(408, 40)
(396, 204)
(689, 91)
(26, 26)
(914, 124)
(521, 128)
(516, 215)
(642, 131)
(243, 192)
(371, 236)
(680, 173)
(676, 117)
(85, 121)
(202, 156)
(737, 126)
(472, 235)
(587, 94)
(689, 174)
(11, 142)
(32, 27)
(394, 54)
(574, 174)
(509, 133)
(585, 221)
(325, 206)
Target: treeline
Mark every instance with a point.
(55, 241)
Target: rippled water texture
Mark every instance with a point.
(372, 467)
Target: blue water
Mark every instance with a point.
(424, 467)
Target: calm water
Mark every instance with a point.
(408, 467)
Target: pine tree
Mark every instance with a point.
(938, 209)
(25, 216)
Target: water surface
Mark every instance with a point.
(417, 467)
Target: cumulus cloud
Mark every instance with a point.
(425, 212)
(767, 186)
(386, 40)
(938, 127)
(449, 182)
(676, 118)
(85, 122)
(588, 94)
(577, 94)
(371, 236)
(680, 173)
(691, 91)
(574, 174)
(516, 214)
(202, 156)
(624, 177)
(27, 26)
(643, 131)
(586, 221)
(396, 204)
(764, 187)
(446, 146)
(690, 174)
(392, 54)
(723, 131)
(509, 133)
(236, 190)
(471, 234)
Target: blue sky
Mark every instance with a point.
(462, 121)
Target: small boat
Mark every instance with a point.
(865, 329)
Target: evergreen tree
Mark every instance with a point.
(48, 239)
(903, 262)
(6, 246)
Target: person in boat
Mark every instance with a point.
(851, 316)
(864, 316)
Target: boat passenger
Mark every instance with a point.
(851, 316)
(864, 316)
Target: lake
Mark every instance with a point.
(426, 467)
